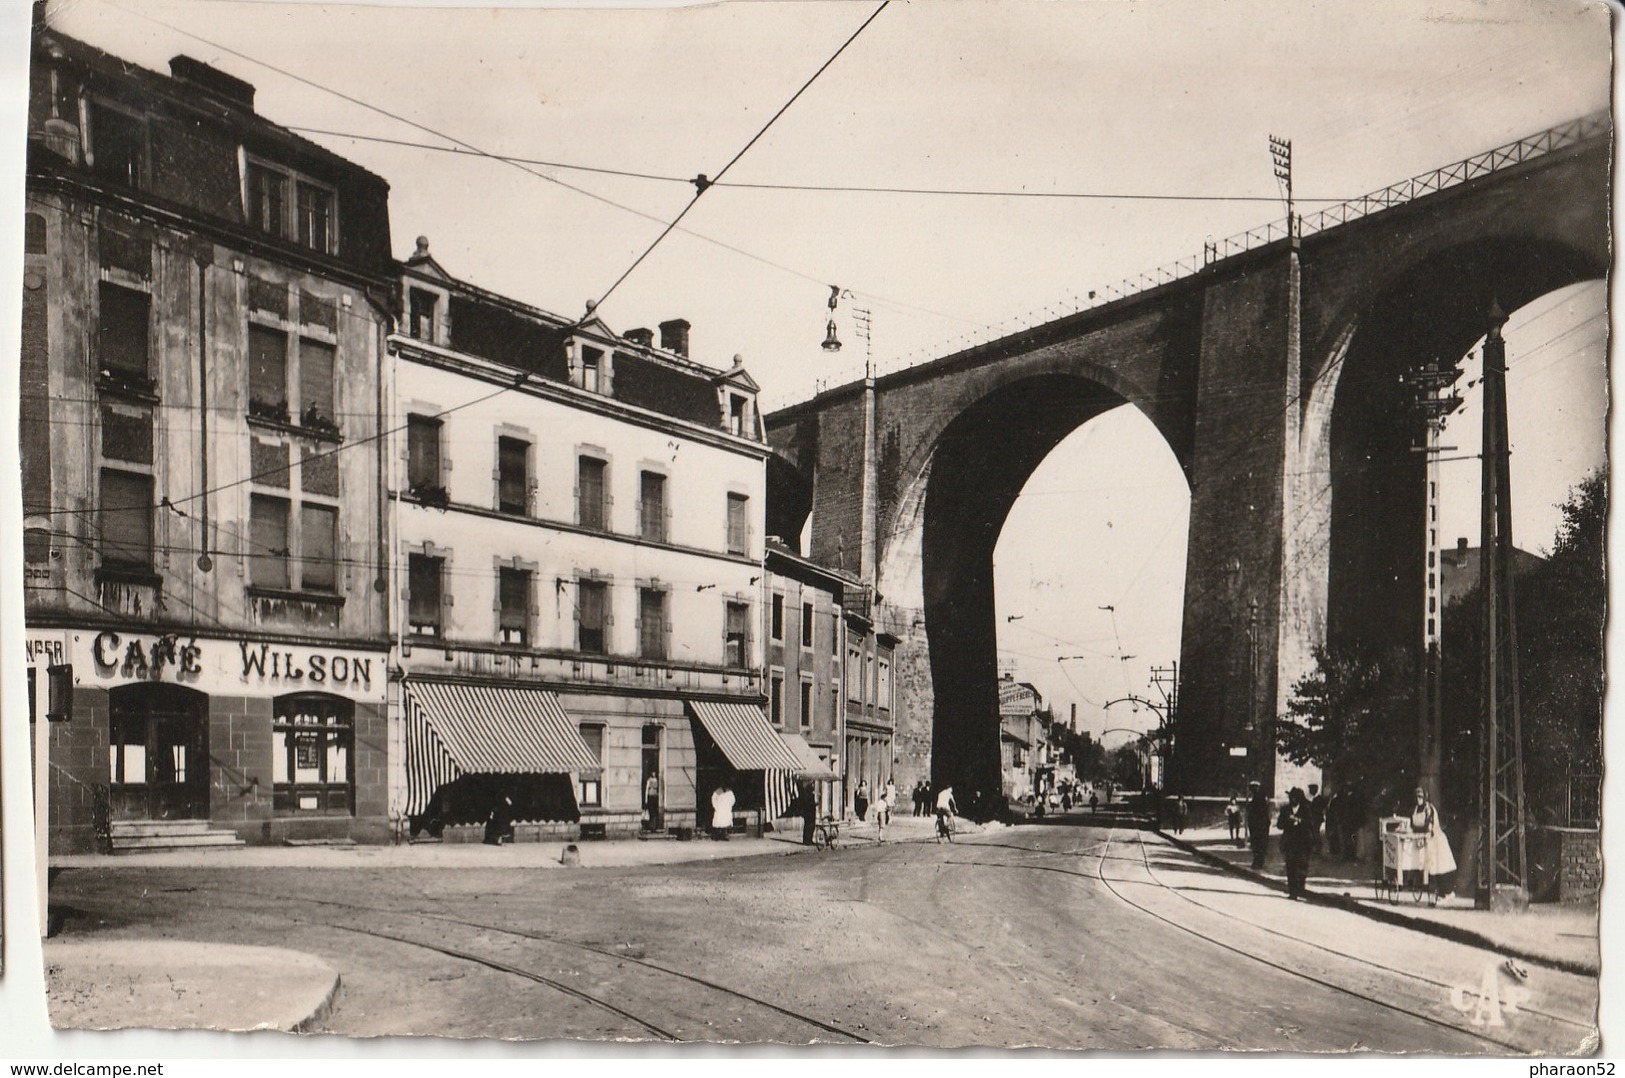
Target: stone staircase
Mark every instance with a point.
(148, 836)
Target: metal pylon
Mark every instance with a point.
(1503, 867)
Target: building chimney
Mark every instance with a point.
(1461, 549)
(645, 337)
(674, 336)
(212, 81)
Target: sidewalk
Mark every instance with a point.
(612, 853)
(167, 984)
(1563, 937)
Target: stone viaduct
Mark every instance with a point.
(1273, 375)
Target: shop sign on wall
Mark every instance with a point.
(228, 666)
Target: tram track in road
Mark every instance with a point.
(1363, 997)
(1587, 1027)
(499, 965)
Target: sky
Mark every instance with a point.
(1169, 98)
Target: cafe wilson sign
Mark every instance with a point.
(226, 666)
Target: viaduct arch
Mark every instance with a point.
(1271, 374)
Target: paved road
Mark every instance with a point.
(1060, 934)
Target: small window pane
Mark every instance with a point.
(267, 200)
(319, 537)
(316, 218)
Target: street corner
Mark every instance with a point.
(170, 984)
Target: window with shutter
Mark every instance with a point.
(123, 332)
(590, 493)
(318, 539)
(651, 623)
(738, 524)
(806, 625)
(591, 610)
(776, 620)
(422, 454)
(513, 586)
(652, 507)
(125, 519)
(316, 361)
(268, 540)
(736, 649)
(513, 478)
(423, 584)
(268, 373)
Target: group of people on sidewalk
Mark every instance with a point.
(1308, 825)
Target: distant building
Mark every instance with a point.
(1022, 744)
(1459, 569)
(202, 318)
(578, 574)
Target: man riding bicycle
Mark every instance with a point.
(946, 810)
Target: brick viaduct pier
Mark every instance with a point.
(1272, 373)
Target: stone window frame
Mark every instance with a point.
(739, 599)
(735, 494)
(663, 470)
(593, 780)
(775, 696)
(807, 699)
(435, 413)
(516, 433)
(532, 607)
(439, 320)
(427, 549)
(593, 578)
(654, 584)
(575, 359)
(775, 616)
(602, 455)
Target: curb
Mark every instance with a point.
(1454, 933)
(322, 1010)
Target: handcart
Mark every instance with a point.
(1404, 862)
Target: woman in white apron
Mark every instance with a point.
(1438, 859)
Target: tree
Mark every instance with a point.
(1561, 611)
(1354, 717)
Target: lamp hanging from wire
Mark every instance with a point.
(832, 343)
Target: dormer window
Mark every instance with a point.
(290, 206)
(118, 146)
(421, 307)
(593, 369)
(737, 407)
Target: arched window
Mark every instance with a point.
(312, 753)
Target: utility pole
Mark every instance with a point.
(1253, 739)
(1503, 881)
(1432, 403)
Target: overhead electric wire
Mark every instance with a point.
(702, 183)
(816, 188)
(474, 150)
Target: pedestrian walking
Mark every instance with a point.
(890, 798)
(1258, 823)
(881, 810)
(922, 799)
(860, 800)
(1232, 819)
(1094, 802)
(499, 823)
(1181, 810)
(1297, 839)
(806, 805)
(722, 812)
(651, 803)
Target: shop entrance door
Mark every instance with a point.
(158, 753)
(654, 792)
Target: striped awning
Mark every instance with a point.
(812, 767)
(745, 736)
(455, 730)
